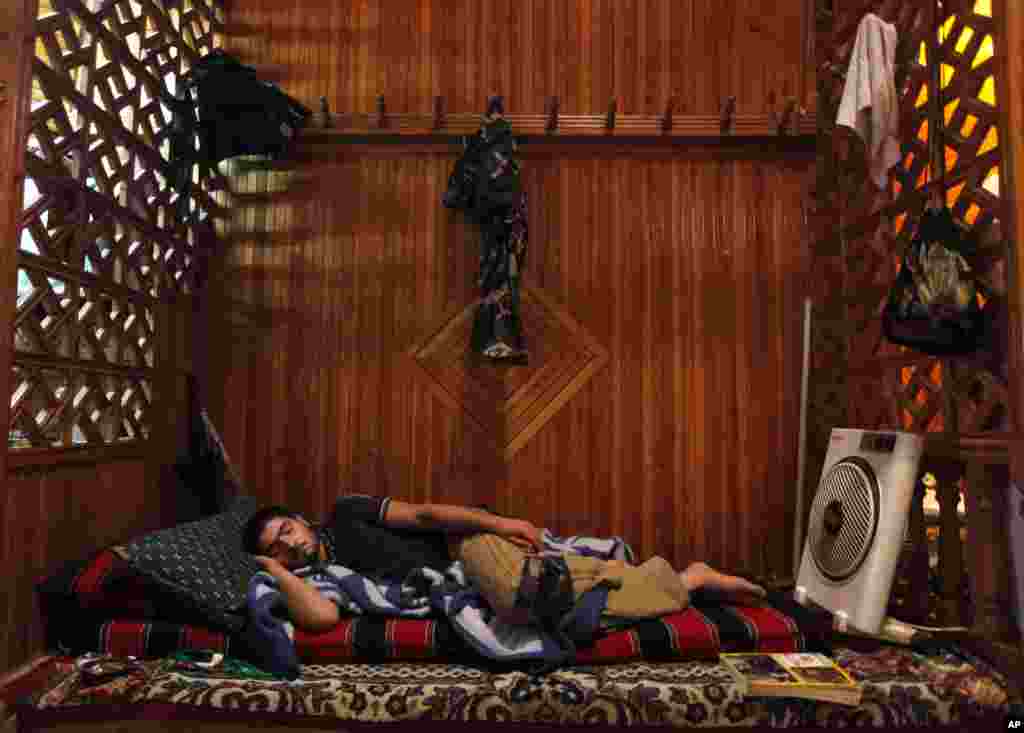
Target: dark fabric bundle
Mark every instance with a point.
(545, 590)
(208, 479)
(234, 113)
(486, 185)
(933, 305)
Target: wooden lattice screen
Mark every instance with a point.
(859, 379)
(892, 386)
(100, 244)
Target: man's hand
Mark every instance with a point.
(271, 565)
(522, 533)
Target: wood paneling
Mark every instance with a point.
(55, 515)
(585, 52)
(685, 272)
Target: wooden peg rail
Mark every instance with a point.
(792, 123)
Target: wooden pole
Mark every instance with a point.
(1009, 26)
(17, 50)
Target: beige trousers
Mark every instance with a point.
(495, 565)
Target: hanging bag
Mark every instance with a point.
(933, 305)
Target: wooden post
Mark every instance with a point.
(915, 603)
(1008, 17)
(325, 112)
(987, 547)
(552, 123)
(438, 112)
(666, 122)
(17, 49)
(727, 114)
(951, 561)
(495, 106)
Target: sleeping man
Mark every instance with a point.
(385, 539)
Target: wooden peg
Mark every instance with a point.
(787, 116)
(552, 123)
(727, 114)
(325, 112)
(380, 112)
(495, 106)
(666, 121)
(438, 112)
(609, 122)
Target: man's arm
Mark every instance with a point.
(444, 517)
(460, 520)
(306, 605)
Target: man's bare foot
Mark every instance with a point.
(699, 575)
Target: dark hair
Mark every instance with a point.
(258, 522)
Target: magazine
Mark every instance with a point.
(808, 676)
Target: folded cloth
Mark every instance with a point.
(422, 593)
(870, 83)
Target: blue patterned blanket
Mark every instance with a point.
(426, 592)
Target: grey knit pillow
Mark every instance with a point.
(201, 563)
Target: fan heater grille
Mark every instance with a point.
(844, 518)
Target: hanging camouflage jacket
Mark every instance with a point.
(486, 185)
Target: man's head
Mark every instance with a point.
(283, 535)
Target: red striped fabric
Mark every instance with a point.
(696, 633)
(410, 641)
(622, 645)
(775, 631)
(336, 645)
(89, 585)
(127, 638)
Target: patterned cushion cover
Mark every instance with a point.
(195, 573)
(201, 563)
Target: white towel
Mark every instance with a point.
(870, 84)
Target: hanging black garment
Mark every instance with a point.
(234, 112)
(933, 305)
(486, 185)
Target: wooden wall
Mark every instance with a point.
(583, 51)
(662, 297)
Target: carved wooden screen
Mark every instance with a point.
(890, 386)
(100, 245)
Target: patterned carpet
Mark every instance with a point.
(901, 688)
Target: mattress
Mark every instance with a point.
(701, 631)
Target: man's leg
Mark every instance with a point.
(651, 589)
(701, 575)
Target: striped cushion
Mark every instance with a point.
(699, 632)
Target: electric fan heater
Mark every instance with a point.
(857, 525)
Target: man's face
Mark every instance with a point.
(290, 542)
